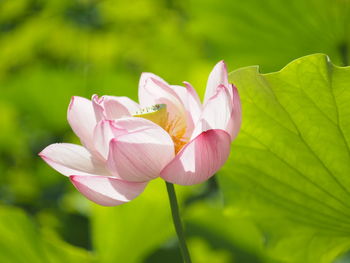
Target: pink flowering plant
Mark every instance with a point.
(168, 134)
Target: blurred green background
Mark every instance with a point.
(52, 50)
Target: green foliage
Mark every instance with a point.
(290, 165)
(22, 242)
(270, 33)
(134, 229)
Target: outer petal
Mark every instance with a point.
(218, 76)
(153, 90)
(199, 159)
(107, 191)
(97, 104)
(105, 131)
(217, 113)
(69, 159)
(145, 98)
(110, 107)
(189, 98)
(81, 117)
(102, 136)
(141, 154)
(118, 107)
(195, 98)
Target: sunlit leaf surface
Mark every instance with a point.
(291, 162)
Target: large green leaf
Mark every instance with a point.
(290, 167)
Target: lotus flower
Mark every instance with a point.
(169, 134)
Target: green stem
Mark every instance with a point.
(177, 222)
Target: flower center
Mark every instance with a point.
(159, 115)
(156, 113)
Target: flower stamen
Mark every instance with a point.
(159, 115)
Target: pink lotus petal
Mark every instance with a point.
(69, 159)
(153, 90)
(217, 113)
(81, 117)
(145, 77)
(195, 98)
(107, 191)
(218, 76)
(118, 107)
(102, 136)
(111, 107)
(191, 102)
(105, 131)
(199, 159)
(141, 154)
(97, 104)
